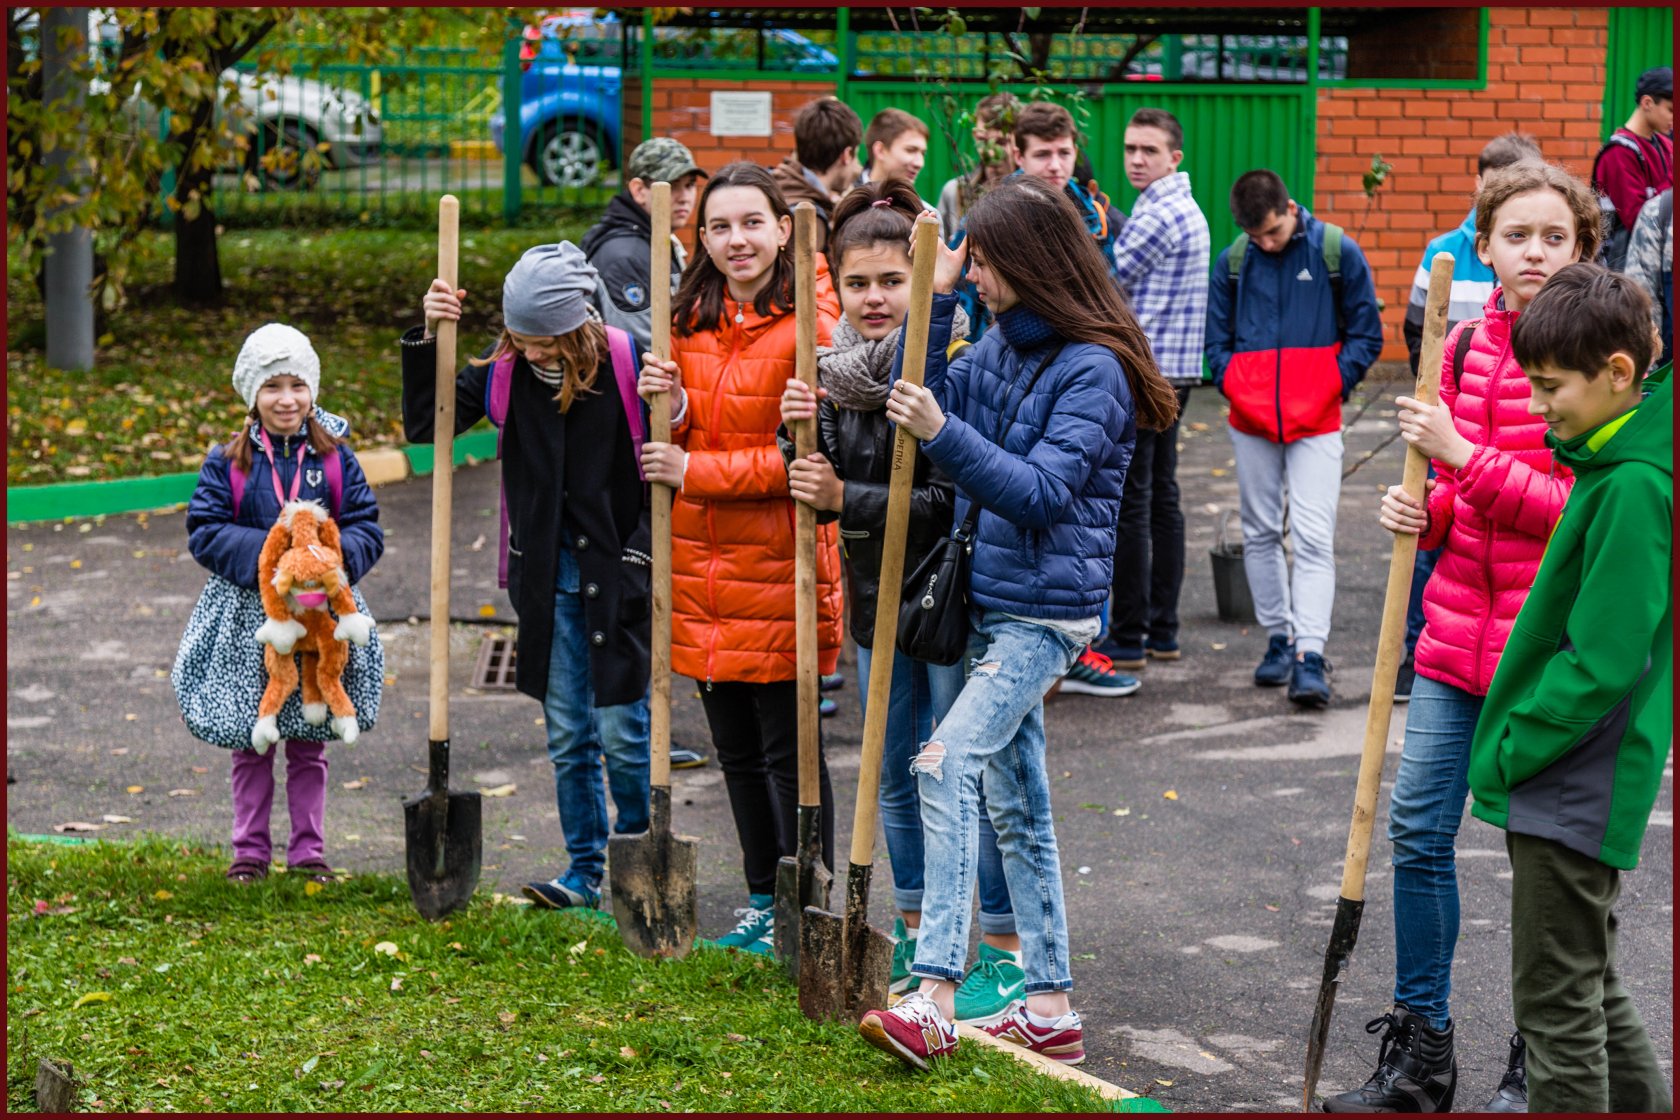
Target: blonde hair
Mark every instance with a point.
(580, 359)
(1501, 185)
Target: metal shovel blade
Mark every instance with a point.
(652, 876)
(801, 880)
(1343, 936)
(845, 964)
(822, 952)
(444, 834)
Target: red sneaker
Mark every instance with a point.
(912, 1031)
(1065, 1042)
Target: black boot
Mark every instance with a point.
(1415, 1069)
(1512, 1094)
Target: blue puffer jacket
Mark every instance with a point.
(230, 547)
(1050, 496)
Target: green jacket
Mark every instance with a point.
(1576, 727)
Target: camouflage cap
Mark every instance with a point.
(661, 159)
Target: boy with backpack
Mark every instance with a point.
(1292, 328)
(1637, 163)
(1650, 264)
(1569, 752)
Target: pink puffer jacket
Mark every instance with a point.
(1494, 515)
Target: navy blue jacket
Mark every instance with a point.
(1272, 341)
(1050, 496)
(230, 547)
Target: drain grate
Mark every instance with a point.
(497, 656)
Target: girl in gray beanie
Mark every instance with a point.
(561, 388)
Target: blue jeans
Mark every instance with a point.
(996, 729)
(920, 692)
(580, 736)
(1424, 812)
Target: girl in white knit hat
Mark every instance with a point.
(287, 450)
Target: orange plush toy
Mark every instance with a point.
(299, 573)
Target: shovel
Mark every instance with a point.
(844, 964)
(443, 828)
(652, 873)
(1349, 907)
(802, 879)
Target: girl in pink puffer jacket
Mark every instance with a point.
(1491, 508)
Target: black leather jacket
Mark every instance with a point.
(860, 444)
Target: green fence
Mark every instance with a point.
(1100, 58)
(1227, 130)
(1640, 38)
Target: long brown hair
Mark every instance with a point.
(699, 298)
(861, 221)
(580, 359)
(1035, 240)
(241, 448)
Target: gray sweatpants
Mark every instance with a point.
(1310, 472)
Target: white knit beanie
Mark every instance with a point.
(269, 351)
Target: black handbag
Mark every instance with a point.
(933, 613)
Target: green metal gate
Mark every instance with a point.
(1639, 39)
(1227, 130)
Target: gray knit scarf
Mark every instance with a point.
(857, 373)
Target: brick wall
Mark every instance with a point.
(682, 108)
(1545, 77)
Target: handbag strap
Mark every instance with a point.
(1007, 423)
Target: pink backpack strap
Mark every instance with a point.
(625, 373)
(236, 481)
(496, 392)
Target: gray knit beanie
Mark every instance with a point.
(547, 292)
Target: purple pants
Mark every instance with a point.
(253, 798)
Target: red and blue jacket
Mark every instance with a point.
(1280, 350)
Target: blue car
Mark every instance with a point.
(569, 122)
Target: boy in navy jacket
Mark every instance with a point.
(1292, 328)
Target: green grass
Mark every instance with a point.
(171, 989)
(160, 395)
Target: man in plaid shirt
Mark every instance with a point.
(1161, 263)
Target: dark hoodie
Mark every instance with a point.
(1572, 740)
(796, 186)
(618, 247)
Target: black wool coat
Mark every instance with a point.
(568, 479)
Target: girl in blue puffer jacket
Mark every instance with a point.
(1035, 423)
(288, 450)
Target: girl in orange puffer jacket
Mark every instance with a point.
(732, 602)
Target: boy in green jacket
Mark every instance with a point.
(1568, 754)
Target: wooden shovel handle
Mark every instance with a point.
(1391, 637)
(443, 462)
(884, 646)
(804, 517)
(659, 430)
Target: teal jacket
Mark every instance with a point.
(1576, 727)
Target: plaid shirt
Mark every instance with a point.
(1161, 263)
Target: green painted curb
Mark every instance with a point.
(66, 500)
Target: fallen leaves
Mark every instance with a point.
(507, 1017)
(626, 1052)
(136, 789)
(162, 895)
(1170, 795)
(359, 783)
(507, 790)
(389, 948)
(183, 793)
(313, 888)
(91, 997)
(77, 826)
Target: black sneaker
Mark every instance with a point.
(1415, 1069)
(1309, 681)
(1512, 1094)
(1275, 667)
(1404, 680)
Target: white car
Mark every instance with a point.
(287, 117)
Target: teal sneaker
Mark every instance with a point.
(995, 982)
(756, 918)
(765, 946)
(901, 983)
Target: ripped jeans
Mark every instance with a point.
(996, 728)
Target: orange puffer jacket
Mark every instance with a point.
(732, 604)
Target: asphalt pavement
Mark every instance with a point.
(1202, 821)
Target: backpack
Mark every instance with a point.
(1612, 251)
(1332, 249)
(500, 386)
(1462, 349)
(331, 465)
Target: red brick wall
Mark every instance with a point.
(1545, 77)
(682, 108)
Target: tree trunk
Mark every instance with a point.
(198, 270)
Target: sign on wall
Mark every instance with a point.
(740, 113)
